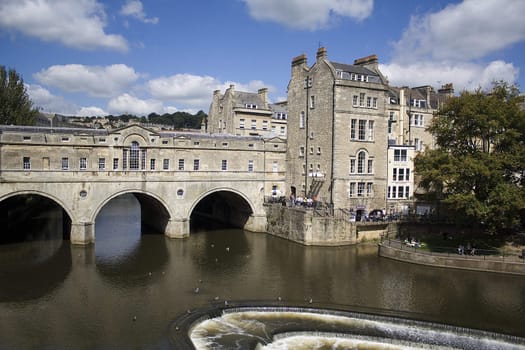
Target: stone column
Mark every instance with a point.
(256, 223)
(82, 233)
(177, 228)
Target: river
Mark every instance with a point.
(125, 291)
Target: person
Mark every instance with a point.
(473, 251)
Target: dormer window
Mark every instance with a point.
(419, 103)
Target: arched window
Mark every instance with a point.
(134, 156)
(361, 156)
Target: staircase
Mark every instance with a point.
(315, 186)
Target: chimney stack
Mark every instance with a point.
(321, 53)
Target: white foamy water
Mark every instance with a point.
(279, 330)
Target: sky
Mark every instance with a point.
(101, 57)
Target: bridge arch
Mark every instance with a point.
(55, 199)
(223, 204)
(44, 218)
(155, 212)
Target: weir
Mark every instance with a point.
(272, 326)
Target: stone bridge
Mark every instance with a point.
(172, 175)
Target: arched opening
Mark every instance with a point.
(32, 217)
(220, 209)
(119, 229)
(140, 212)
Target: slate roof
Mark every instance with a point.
(353, 69)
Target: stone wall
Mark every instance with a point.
(303, 226)
(451, 262)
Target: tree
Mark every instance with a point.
(478, 169)
(15, 105)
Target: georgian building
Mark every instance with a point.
(337, 132)
(246, 114)
(352, 138)
(410, 111)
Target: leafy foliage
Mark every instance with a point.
(477, 169)
(179, 120)
(15, 105)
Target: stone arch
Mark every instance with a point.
(135, 137)
(155, 211)
(30, 220)
(222, 212)
(134, 152)
(57, 200)
(219, 189)
(362, 156)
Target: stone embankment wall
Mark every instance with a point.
(303, 226)
(488, 264)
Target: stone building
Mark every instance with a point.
(410, 111)
(246, 114)
(337, 133)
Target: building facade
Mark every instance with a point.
(246, 114)
(337, 133)
(410, 111)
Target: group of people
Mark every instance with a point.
(462, 250)
(302, 202)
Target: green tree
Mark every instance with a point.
(478, 168)
(15, 105)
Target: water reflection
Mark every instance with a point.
(122, 256)
(33, 269)
(125, 291)
(117, 228)
(37, 260)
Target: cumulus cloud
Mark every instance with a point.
(465, 76)
(127, 103)
(465, 31)
(308, 14)
(134, 8)
(449, 45)
(179, 92)
(78, 24)
(97, 81)
(194, 91)
(47, 102)
(91, 111)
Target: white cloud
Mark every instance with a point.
(97, 81)
(464, 76)
(92, 111)
(47, 102)
(450, 45)
(135, 9)
(127, 103)
(78, 24)
(194, 91)
(308, 14)
(465, 31)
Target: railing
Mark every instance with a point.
(451, 252)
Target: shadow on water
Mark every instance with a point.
(33, 269)
(34, 258)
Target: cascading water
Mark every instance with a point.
(271, 328)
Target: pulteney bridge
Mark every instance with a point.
(171, 174)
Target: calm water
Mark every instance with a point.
(125, 291)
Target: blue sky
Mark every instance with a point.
(98, 57)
